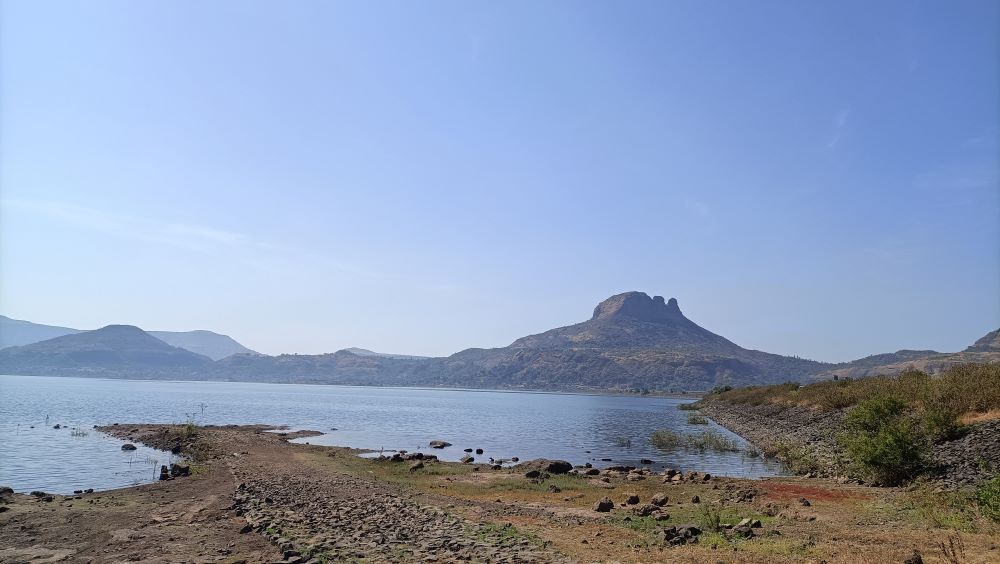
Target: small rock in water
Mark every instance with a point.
(128, 446)
(439, 444)
(467, 459)
(479, 451)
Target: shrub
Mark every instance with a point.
(687, 407)
(695, 419)
(988, 499)
(882, 441)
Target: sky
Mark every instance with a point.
(818, 179)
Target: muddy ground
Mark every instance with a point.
(254, 497)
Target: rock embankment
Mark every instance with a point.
(806, 439)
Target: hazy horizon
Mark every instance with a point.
(421, 179)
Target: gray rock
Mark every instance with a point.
(604, 505)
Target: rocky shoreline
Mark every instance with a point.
(805, 439)
(249, 495)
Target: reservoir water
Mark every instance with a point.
(574, 427)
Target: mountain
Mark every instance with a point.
(366, 352)
(114, 351)
(207, 343)
(631, 341)
(989, 342)
(14, 332)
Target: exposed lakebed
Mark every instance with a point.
(574, 427)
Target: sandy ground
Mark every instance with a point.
(254, 497)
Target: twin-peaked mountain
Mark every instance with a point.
(632, 341)
(15, 332)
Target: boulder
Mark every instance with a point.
(659, 499)
(467, 459)
(178, 470)
(604, 505)
(631, 499)
(439, 444)
(695, 499)
(479, 451)
(645, 461)
(645, 510)
(128, 446)
(546, 465)
(416, 465)
(742, 532)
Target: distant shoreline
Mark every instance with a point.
(694, 395)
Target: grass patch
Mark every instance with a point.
(692, 406)
(623, 442)
(695, 419)
(665, 439)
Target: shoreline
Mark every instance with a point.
(251, 495)
(571, 392)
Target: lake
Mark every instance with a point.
(574, 427)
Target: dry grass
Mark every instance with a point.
(969, 389)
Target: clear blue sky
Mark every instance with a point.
(809, 178)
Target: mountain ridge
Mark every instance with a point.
(17, 332)
(630, 342)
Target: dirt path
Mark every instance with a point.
(254, 497)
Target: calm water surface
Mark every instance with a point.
(578, 428)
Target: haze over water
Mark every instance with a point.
(578, 428)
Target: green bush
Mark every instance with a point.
(882, 441)
(988, 499)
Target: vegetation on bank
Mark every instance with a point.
(665, 439)
(892, 423)
(970, 388)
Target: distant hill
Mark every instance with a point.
(207, 343)
(989, 342)
(115, 351)
(984, 350)
(366, 352)
(14, 332)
